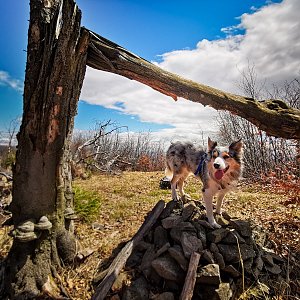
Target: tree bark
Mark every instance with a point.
(272, 116)
(56, 64)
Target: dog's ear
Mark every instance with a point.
(236, 146)
(211, 144)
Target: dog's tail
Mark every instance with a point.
(168, 172)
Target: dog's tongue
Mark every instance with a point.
(219, 174)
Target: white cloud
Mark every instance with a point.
(6, 79)
(270, 39)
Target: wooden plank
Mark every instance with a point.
(190, 279)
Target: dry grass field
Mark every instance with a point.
(111, 208)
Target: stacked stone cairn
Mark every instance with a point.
(232, 257)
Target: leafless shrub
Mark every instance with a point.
(264, 156)
(110, 149)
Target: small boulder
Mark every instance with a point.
(233, 237)
(190, 244)
(207, 255)
(188, 210)
(231, 253)
(137, 290)
(171, 221)
(232, 271)
(177, 253)
(224, 291)
(243, 227)
(209, 274)
(160, 236)
(217, 235)
(167, 268)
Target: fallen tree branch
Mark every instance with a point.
(190, 279)
(120, 261)
(275, 117)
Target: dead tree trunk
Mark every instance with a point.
(56, 63)
(272, 116)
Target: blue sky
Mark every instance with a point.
(180, 36)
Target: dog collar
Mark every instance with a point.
(202, 160)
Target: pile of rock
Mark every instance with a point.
(229, 256)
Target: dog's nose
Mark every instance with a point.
(217, 166)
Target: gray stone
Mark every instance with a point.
(187, 226)
(214, 248)
(148, 257)
(232, 271)
(207, 255)
(275, 269)
(231, 252)
(137, 290)
(217, 235)
(167, 268)
(175, 234)
(205, 224)
(165, 296)
(177, 253)
(173, 286)
(258, 263)
(243, 227)
(171, 221)
(176, 231)
(134, 259)
(188, 210)
(142, 246)
(277, 258)
(220, 260)
(233, 237)
(201, 233)
(190, 244)
(168, 209)
(98, 226)
(163, 249)
(160, 236)
(268, 259)
(248, 265)
(209, 274)
(224, 291)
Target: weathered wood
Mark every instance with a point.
(120, 261)
(272, 116)
(55, 69)
(190, 279)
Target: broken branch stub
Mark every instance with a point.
(272, 116)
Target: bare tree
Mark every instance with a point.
(263, 154)
(12, 130)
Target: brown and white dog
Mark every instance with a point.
(218, 168)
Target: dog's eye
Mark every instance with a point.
(215, 154)
(226, 156)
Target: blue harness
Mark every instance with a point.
(202, 160)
